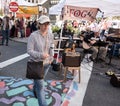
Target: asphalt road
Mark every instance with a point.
(16, 73)
(99, 91)
(8, 52)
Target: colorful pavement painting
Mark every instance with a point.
(18, 92)
(71, 94)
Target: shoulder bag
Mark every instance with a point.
(35, 70)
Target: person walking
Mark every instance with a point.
(6, 30)
(22, 27)
(39, 49)
(34, 26)
(0, 31)
(1, 26)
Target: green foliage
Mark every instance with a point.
(55, 29)
(69, 27)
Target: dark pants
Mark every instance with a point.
(5, 35)
(115, 50)
(102, 33)
(12, 31)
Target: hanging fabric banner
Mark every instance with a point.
(29, 9)
(73, 12)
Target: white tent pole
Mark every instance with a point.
(60, 41)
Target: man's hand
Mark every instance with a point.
(45, 55)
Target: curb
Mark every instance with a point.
(21, 40)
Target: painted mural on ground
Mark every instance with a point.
(72, 92)
(18, 92)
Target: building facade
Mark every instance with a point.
(46, 7)
(51, 2)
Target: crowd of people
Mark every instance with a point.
(15, 27)
(12, 27)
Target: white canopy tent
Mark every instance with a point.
(109, 7)
(56, 9)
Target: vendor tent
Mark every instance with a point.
(109, 7)
(56, 9)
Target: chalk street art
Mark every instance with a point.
(18, 92)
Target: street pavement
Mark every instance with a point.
(99, 91)
(22, 40)
(93, 90)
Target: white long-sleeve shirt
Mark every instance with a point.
(38, 45)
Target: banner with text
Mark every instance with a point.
(84, 13)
